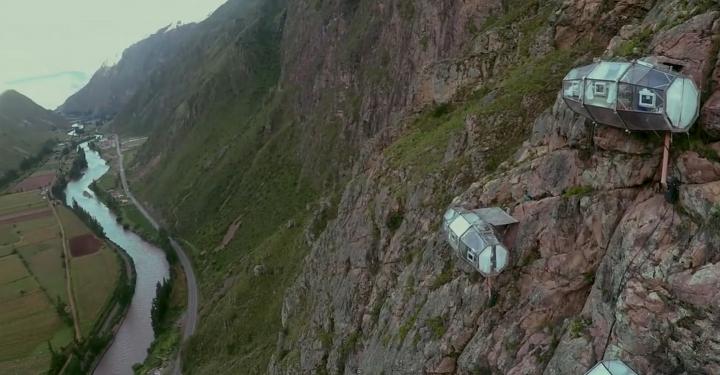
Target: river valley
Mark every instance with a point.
(136, 333)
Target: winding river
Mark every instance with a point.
(135, 334)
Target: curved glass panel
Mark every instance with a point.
(656, 79)
(493, 259)
(600, 93)
(580, 72)
(606, 116)
(449, 216)
(501, 257)
(459, 226)
(573, 89)
(486, 261)
(577, 108)
(683, 103)
(610, 71)
(636, 73)
(644, 121)
(453, 240)
(611, 367)
(473, 240)
(471, 217)
(640, 99)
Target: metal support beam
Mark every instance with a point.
(488, 286)
(666, 160)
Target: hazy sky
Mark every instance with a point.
(50, 48)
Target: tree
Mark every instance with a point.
(161, 305)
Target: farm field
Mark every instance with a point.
(33, 280)
(28, 320)
(94, 278)
(94, 267)
(14, 203)
(73, 225)
(38, 180)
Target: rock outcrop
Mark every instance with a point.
(604, 266)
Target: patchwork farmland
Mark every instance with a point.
(94, 268)
(37, 310)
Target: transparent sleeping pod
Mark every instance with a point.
(633, 95)
(474, 240)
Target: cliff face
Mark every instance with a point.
(306, 150)
(603, 266)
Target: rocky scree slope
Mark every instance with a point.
(306, 151)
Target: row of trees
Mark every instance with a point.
(76, 170)
(78, 166)
(161, 305)
(88, 219)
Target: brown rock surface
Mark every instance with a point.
(690, 45)
(602, 266)
(710, 115)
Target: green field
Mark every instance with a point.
(137, 221)
(28, 320)
(94, 276)
(109, 181)
(32, 279)
(94, 279)
(14, 203)
(46, 263)
(72, 224)
(8, 236)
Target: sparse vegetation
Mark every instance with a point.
(578, 326)
(408, 325)
(577, 191)
(637, 45)
(395, 220)
(437, 326)
(713, 221)
(444, 277)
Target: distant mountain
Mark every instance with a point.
(111, 87)
(24, 128)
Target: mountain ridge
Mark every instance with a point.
(328, 137)
(25, 127)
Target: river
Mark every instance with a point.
(135, 334)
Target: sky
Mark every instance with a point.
(49, 49)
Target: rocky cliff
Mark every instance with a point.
(310, 150)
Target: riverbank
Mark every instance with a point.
(84, 355)
(164, 349)
(134, 334)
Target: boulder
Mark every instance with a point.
(697, 170)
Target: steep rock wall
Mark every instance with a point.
(603, 266)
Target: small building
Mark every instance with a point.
(636, 95)
(472, 234)
(611, 367)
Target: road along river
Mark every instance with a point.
(135, 334)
